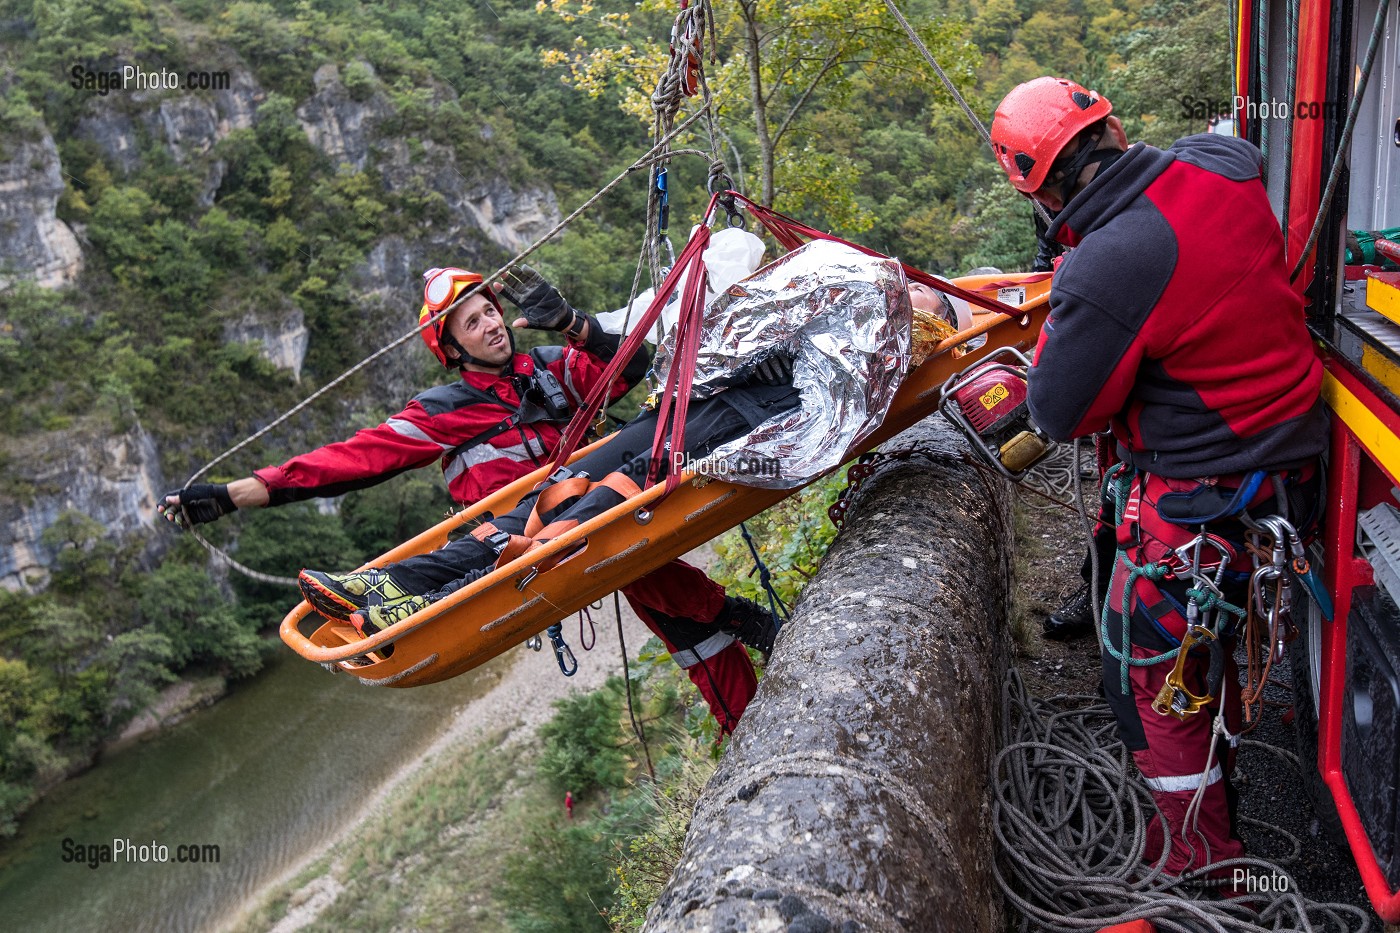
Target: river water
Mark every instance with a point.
(267, 775)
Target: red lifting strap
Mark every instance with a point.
(791, 233)
(682, 374)
(675, 399)
(691, 257)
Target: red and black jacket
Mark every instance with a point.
(439, 423)
(1173, 318)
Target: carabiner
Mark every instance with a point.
(663, 218)
(719, 182)
(568, 664)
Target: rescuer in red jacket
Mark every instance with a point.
(1173, 321)
(501, 420)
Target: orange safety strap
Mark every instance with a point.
(552, 497)
(515, 547)
(555, 529)
(574, 486)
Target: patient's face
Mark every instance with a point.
(931, 301)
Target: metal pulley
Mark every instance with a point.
(1174, 699)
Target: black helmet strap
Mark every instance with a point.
(1086, 155)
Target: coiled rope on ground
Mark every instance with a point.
(1071, 828)
(1056, 476)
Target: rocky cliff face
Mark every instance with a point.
(186, 124)
(115, 479)
(338, 124)
(34, 243)
(280, 338)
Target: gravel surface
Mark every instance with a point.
(1052, 547)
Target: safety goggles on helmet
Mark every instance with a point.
(440, 286)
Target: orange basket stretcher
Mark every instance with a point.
(520, 599)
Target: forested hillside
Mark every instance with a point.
(180, 265)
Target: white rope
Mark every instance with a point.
(957, 96)
(1071, 827)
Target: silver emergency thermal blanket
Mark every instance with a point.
(845, 318)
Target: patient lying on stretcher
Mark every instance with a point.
(798, 363)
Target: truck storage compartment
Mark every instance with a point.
(1371, 722)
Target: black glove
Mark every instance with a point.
(775, 369)
(197, 504)
(539, 302)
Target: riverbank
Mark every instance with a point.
(466, 781)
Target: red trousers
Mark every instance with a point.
(1182, 760)
(680, 603)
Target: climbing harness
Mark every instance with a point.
(1204, 597)
(1278, 561)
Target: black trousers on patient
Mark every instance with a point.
(709, 423)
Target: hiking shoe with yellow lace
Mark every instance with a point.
(374, 619)
(337, 595)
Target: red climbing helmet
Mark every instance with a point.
(1036, 121)
(441, 287)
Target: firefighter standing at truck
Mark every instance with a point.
(1174, 322)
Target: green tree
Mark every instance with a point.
(556, 880)
(583, 742)
(281, 541)
(196, 620)
(1003, 233)
(1180, 53)
(384, 516)
(788, 60)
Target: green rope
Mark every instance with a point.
(1124, 656)
(1119, 482)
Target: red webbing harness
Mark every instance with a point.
(675, 399)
